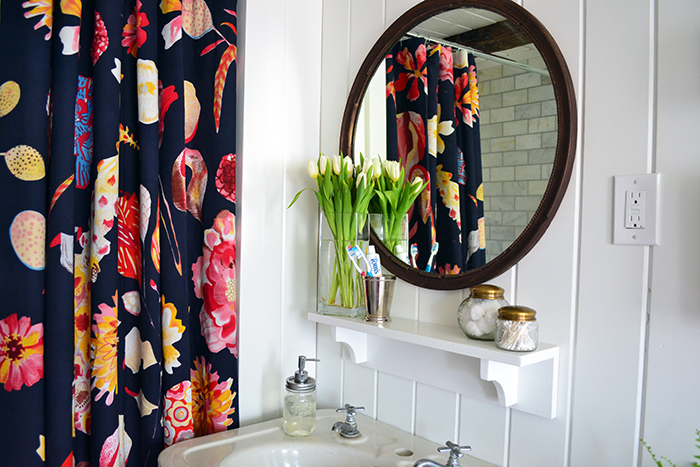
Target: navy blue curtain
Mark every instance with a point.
(433, 130)
(118, 330)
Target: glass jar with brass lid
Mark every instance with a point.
(517, 329)
(478, 313)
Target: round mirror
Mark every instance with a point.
(526, 113)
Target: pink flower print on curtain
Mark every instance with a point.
(214, 275)
(21, 352)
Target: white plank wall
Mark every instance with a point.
(671, 406)
(279, 124)
(635, 66)
(612, 299)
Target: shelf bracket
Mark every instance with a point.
(355, 341)
(504, 377)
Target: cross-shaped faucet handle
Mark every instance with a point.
(349, 409)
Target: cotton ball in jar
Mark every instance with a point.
(491, 316)
(477, 312)
(485, 326)
(473, 329)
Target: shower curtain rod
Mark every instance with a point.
(476, 53)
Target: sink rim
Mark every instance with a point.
(221, 445)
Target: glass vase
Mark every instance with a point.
(393, 232)
(340, 288)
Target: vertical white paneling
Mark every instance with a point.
(301, 135)
(440, 307)
(404, 304)
(329, 370)
(360, 388)
(484, 427)
(545, 276)
(259, 216)
(507, 282)
(365, 16)
(436, 414)
(335, 83)
(672, 408)
(395, 398)
(396, 8)
(612, 300)
(277, 254)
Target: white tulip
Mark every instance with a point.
(323, 164)
(366, 166)
(362, 178)
(349, 166)
(416, 185)
(392, 169)
(336, 162)
(312, 169)
(376, 168)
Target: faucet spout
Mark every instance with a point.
(340, 426)
(455, 451)
(427, 463)
(346, 430)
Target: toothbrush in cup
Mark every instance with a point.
(433, 252)
(414, 255)
(355, 254)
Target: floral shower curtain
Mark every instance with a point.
(433, 122)
(118, 322)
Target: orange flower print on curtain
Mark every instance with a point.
(21, 352)
(212, 399)
(104, 354)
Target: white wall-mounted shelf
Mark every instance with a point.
(513, 373)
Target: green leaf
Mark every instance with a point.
(296, 197)
(391, 198)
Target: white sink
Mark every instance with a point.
(266, 445)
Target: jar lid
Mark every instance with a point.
(487, 291)
(516, 313)
(309, 384)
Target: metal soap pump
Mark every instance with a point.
(300, 401)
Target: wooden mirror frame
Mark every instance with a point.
(565, 149)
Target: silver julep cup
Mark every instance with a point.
(379, 292)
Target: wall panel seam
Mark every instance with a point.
(578, 219)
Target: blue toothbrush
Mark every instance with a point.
(433, 252)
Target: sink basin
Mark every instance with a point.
(266, 445)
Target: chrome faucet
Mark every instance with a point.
(348, 428)
(455, 453)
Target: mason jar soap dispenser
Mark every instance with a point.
(300, 402)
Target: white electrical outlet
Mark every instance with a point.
(635, 207)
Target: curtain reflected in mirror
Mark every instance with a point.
(487, 145)
(432, 102)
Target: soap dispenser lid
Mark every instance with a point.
(301, 381)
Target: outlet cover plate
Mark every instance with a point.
(626, 186)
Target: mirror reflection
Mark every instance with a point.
(465, 101)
